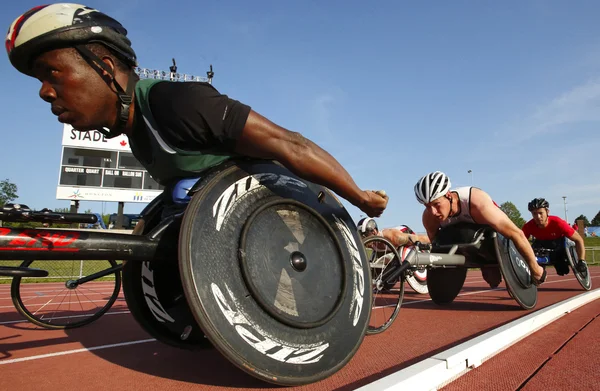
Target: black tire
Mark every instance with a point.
(584, 278)
(383, 293)
(227, 226)
(162, 331)
(25, 307)
(445, 283)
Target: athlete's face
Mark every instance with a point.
(540, 217)
(76, 92)
(439, 208)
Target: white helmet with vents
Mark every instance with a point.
(432, 186)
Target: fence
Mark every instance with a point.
(592, 255)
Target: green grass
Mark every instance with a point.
(592, 242)
(592, 256)
(61, 271)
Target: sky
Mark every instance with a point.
(393, 90)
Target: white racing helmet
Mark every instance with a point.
(432, 186)
(366, 226)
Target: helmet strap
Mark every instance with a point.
(449, 195)
(125, 96)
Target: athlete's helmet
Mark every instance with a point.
(538, 203)
(432, 186)
(366, 226)
(64, 25)
(406, 229)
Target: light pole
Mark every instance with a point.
(565, 204)
(471, 172)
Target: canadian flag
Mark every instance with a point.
(123, 143)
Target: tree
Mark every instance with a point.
(513, 213)
(8, 192)
(586, 223)
(596, 220)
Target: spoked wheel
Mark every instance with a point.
(62, 300)
(582, 272)
(387, 295)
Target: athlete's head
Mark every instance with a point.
(433, 191)
(539, 211)
(82, 57)
(367, 227)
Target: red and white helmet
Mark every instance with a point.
(432, 186)
(63, 25)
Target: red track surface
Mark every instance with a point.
(421, 330)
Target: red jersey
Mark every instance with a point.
(556, 228)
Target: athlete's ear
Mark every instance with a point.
(110, 63)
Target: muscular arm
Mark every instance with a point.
(399, 238)
(262, 138)
(484, 211)
(579, 244)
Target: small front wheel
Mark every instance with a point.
(387, 295)
(581, 271)
(59, 301)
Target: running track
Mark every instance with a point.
(115, 353)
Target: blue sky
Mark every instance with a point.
(393, 90)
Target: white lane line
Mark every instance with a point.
(66, 352)
(404, 303)
(438, 370)
(64, 317)
(67, 293)
(30, 305)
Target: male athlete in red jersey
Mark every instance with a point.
(549, 231)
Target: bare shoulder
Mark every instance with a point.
(480, 199)
(485, 211)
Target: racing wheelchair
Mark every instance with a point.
(261, 265)
(456, 249)
(388, 278)
(68, 293)
(561, 253)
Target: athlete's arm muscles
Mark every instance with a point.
(400, 238)
(264, 139)
(579, 244)
(393, 237)
(484, 211)
(421, 238)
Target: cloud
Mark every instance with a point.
(580, 104)
(573, 161)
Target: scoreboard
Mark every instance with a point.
(94, 168)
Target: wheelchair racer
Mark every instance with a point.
(445, 207)
(398, 236)
(549, 233)
(401, 236)
(86, 66)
